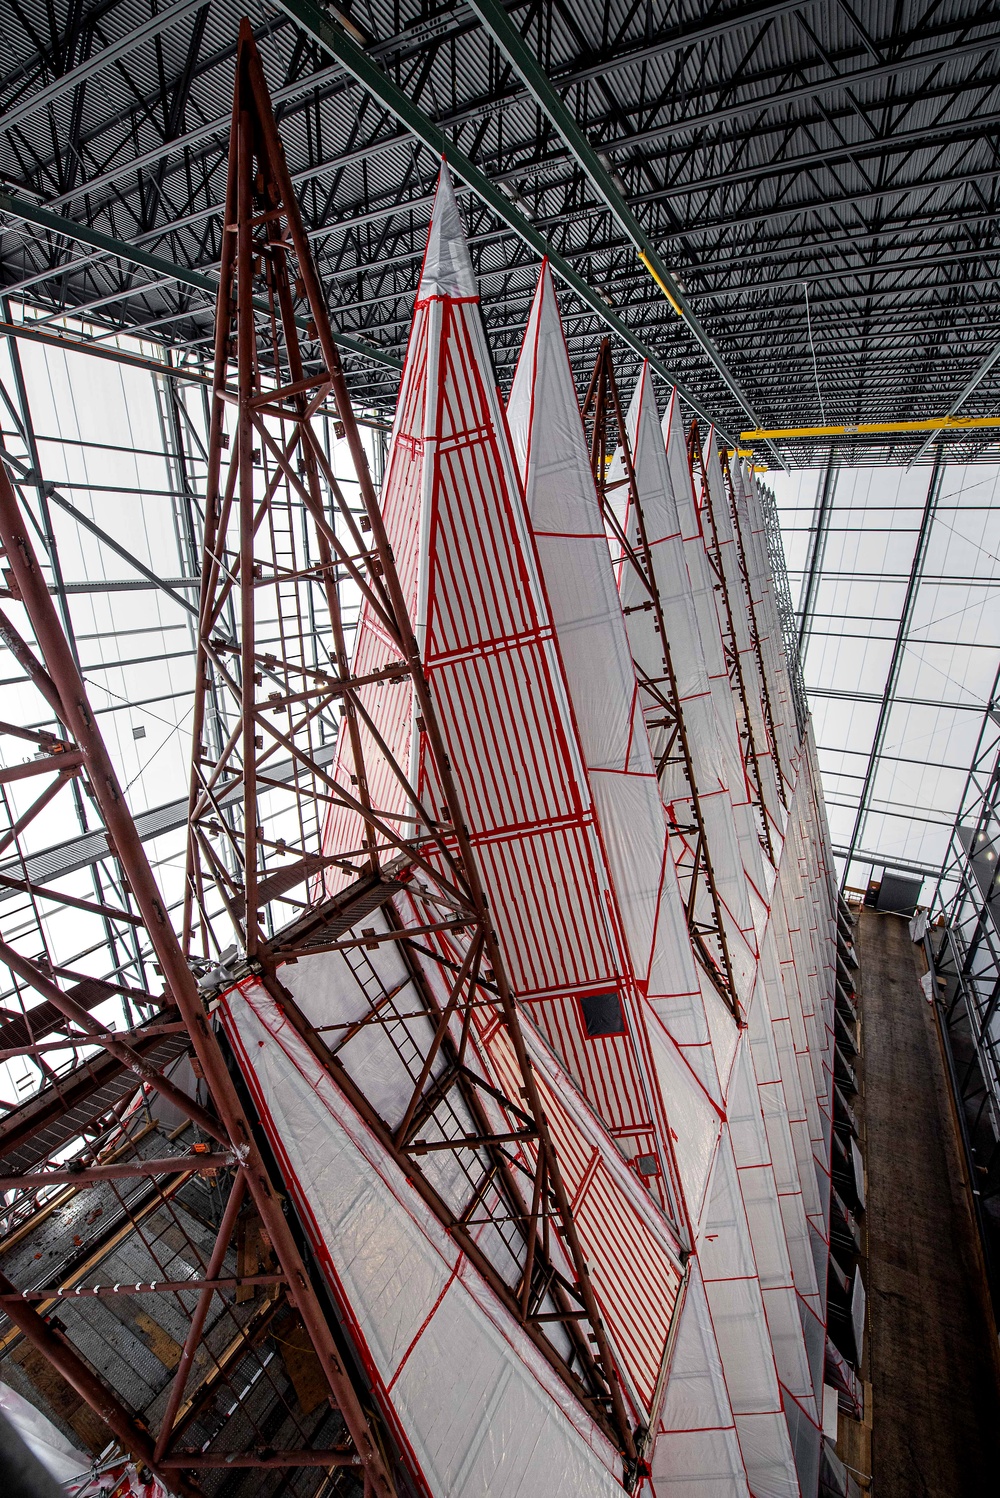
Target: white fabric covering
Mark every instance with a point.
(447, 269)
(477, 1405)
(549, 442)
(56, 1453)
(697, 1451)
(543, 720)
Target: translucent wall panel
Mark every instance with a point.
(917, 696)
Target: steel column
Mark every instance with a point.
(899, 645)
(250, 558)
(233, 1125)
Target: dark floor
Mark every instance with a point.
(932, 1358)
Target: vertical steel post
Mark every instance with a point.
(80, 722)
(896, 659)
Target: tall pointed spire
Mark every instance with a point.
(416, 1123)
(460, 538)
(642, 520)
(549, 439)
(648, 537)
(447, 268)
(544, 419)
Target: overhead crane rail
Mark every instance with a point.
(875, 428)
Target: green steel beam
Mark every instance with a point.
(536, 80)
(103, 58)
(55, 223)
(313, 20)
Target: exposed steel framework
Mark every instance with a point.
(287, 734)
(413, 869)
(603, 413)
(82, 754)
(964, 954)
(847, 153)
(737, 676)
(782, 775)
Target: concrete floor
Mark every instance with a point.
(932, 1356)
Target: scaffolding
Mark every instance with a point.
(494, 1005)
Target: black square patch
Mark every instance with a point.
(602, 1014)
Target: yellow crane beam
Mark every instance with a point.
(875, 428)
(661, 283)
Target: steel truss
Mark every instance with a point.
(78, 754)
(254, 839)
(782, 776)
(730, 645)
(855, 160)
(662, 707)
(964, 960)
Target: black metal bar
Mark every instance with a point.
(888, 693)
(817, 549)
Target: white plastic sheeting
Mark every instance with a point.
(762, 1333)
(730, 876)
(739, 1318)
(729, 555)
(634, 1256)
(518, 606)
(57, 1454)
(697, 1450)
(475, 1405)
(550, 445)
(678, 595)
(78, 1475)
(766, 614)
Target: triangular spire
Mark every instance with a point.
(715, 740)
(694, 774)
(550, 442)
(462, 548)
(276, 687)
(679, 466)
(447, 269)
(645, 534)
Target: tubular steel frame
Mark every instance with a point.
(730, 646)
(736, 184)
(422, 878)
(82, 754)
(602, 409)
